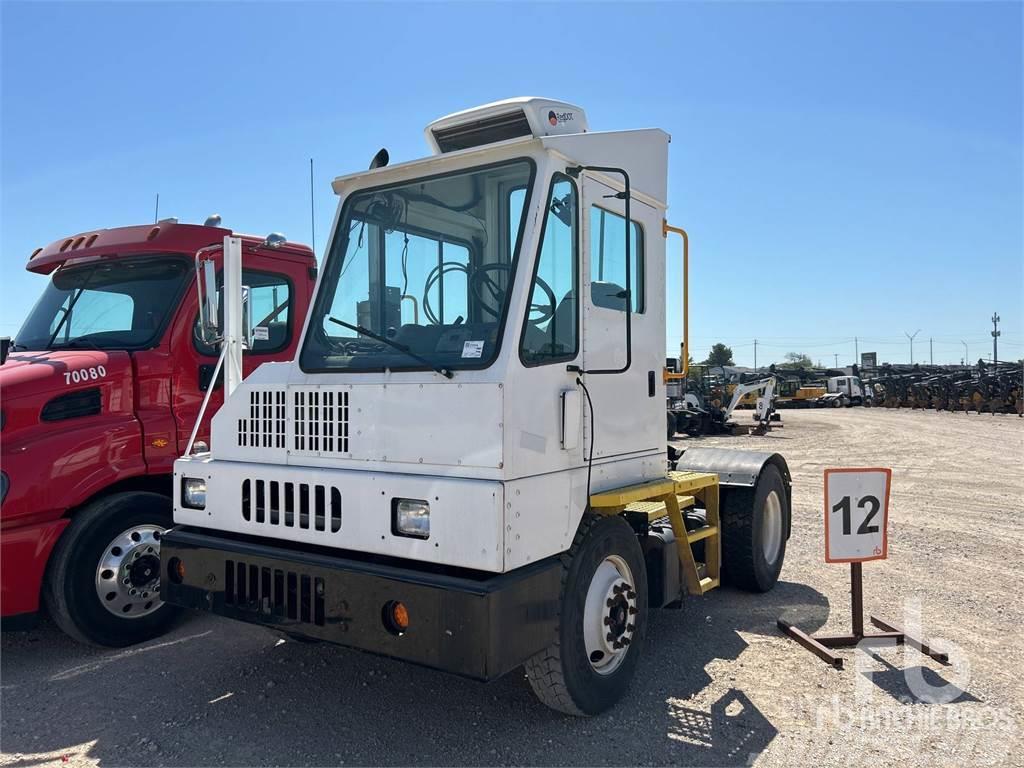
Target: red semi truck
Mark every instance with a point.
(100, 391)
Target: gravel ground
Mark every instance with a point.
(718, 684)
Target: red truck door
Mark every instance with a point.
(279, 291)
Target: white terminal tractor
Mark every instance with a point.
(466, 465)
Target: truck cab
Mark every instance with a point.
(101, 390)
(849, 387)
(465, 466)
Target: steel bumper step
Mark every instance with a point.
(479, 626)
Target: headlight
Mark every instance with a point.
(193, 492)
(410, 517)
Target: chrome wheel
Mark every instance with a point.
(609, 615)
(128, 574)
(771, 527)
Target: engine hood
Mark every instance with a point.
(42, 374)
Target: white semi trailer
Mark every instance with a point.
(466, 465)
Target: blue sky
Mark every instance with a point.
(844, 169)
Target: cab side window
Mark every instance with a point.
(551, 327)
(608, 261)
(271, 298)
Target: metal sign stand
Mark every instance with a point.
(820, 646)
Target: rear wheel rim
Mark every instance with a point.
(128, 573)
(771, 527)
(609, 615)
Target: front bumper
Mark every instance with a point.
(475, 627)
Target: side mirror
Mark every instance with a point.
(247, 334)
(209, 301)
(5, 348)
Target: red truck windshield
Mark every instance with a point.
(109, 304)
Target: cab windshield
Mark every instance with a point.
(109, 304)
(419, 274)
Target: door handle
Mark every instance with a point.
(206, 374)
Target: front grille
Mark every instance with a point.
(293, 505)
(274, 592)
(321, 420)
(265, 425)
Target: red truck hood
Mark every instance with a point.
(40, 374)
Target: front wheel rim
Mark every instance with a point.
(128, 573)
(771, 527)
(609, 615)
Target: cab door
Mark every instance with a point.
(276, 309)
(628, 406)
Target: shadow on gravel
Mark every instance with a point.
(917, 685)
(215, 692)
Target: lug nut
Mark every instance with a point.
(607, 621)
(633, 611)
(608, 603)
(609, 637)
(631, 627)
(631, 595)
(625, 641)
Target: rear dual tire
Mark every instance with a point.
(755, 526)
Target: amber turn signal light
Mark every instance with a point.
(396, 617)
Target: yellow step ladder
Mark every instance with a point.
(669, 497)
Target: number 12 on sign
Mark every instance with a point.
(856, 514)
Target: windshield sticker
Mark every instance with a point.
(260, 333)
(473, 349)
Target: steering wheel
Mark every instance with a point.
(481, 280)
(438, 273)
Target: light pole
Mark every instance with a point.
(909, 336)
(836, 354)
(995, 339)
(967, 355)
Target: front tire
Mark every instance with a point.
(602, 618)
(755, 525)
(103, 585)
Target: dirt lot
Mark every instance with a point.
(718, 684)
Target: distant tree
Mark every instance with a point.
(720, 355)
(797, 360)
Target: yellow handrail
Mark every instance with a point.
(684, 348)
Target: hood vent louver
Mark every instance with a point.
(487, 130)
(84, 402)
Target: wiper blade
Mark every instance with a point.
(394, 345)
(81, 341)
